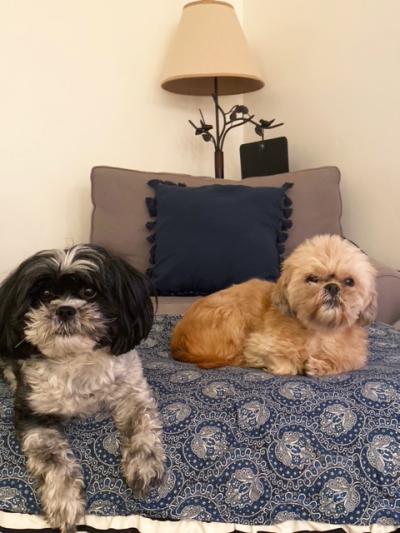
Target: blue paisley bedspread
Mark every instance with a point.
(244, 446)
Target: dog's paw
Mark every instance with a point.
(144, 473)
(282, 367)
(65, 507)
(68, 529)
(319, 368)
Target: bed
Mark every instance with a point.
(247, 451)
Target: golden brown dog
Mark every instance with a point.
(311, 321)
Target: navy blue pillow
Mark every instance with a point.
(207, 238)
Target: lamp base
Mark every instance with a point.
(219, 164)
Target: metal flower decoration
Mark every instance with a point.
(238, 115)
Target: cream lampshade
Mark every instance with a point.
(209, 55)
(209, 43)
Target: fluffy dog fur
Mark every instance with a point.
(311, 321)
(69, 321)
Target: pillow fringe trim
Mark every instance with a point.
(151, 204)
(286, 222)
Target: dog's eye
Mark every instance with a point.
(87, 292)
(312, 279)
(349, 282)
(47, 295)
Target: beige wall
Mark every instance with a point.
(79, 86)
(333, 74)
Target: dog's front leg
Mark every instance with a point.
(136, 417)
(57, 474)
(272, 354)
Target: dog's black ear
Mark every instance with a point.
(13, 306)
(131, 291)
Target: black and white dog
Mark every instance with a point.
(64, 317)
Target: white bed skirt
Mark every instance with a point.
(16, 521)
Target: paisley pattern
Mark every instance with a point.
(244, 446)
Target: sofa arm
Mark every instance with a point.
(388, 286)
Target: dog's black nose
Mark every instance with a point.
(65, 312)
(332, 289)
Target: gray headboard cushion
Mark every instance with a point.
(120, 213)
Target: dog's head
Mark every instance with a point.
(327, 282)
(60, 302)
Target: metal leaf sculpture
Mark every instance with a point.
(238, 115)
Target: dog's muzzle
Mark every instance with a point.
(65, 313)
(332, 294)
(67, 317)
(332, 289)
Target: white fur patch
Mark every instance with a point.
(65, 260)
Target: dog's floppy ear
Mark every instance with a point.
(368, 314)
(131, 291)
(13, 306)
(279, 296)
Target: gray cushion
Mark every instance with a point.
(120, 214)
(388, 287)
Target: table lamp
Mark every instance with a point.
(209, 55)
